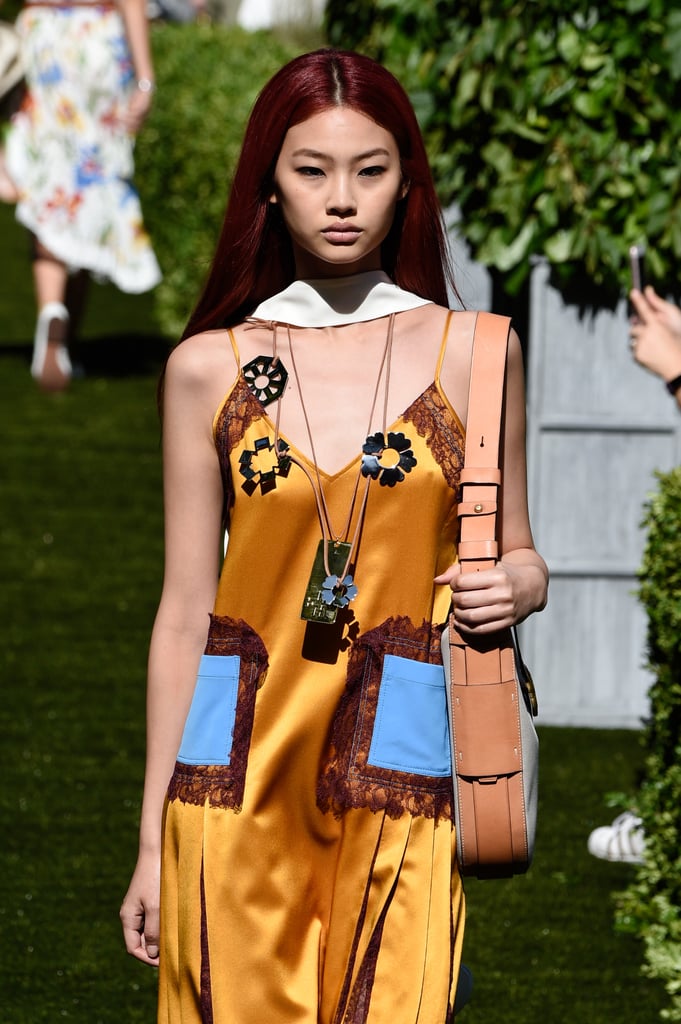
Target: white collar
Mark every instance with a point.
(331, 302)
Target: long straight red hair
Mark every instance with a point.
(254, 257)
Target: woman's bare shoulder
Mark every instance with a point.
(203, 365)
(436, 317)
(198, 358)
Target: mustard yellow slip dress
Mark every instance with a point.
(309, 872)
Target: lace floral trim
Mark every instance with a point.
(240, 410)
(206, 994)
(223, 785)
(339, 1015)
(434, 422)
(347, 779)
(360, 997)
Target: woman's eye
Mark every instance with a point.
(310, 172)
(372, 172)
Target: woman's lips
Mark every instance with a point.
(342, 234)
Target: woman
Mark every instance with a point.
(317, 404)
(69, 155)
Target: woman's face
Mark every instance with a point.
(337, 181)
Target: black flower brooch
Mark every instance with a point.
(388, 461)
(266, 377)
(261, 465)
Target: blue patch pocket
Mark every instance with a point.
(207, 736)
(411, 733)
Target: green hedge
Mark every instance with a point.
(554, 126)
(651, 906)
(207, 77)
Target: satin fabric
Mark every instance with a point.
(280, 904)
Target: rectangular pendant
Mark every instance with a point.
(315, 609)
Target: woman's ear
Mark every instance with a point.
(273, 199)
(404, 189)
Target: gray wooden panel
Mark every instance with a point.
(598, 428)
(586, 654)
(592, 485)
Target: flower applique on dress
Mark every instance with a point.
(387, 461)
(266, 377)
(261, 465)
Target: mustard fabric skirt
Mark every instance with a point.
(262, 924)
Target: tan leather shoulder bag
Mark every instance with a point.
(490, 695)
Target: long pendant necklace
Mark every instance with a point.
(331, 587)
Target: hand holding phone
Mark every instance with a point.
(638, 270)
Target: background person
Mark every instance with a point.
(319, 401)
(655, 332)
(69, 161)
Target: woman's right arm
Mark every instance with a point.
(193, 509)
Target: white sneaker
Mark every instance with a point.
(624, 840)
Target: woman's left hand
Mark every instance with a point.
(493, 599)
(132, 118)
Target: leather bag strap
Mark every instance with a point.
(481, 475)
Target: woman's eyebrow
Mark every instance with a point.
(317, 155)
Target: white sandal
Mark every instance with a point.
(51, 365)
(624, 840)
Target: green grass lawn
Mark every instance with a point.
(80, 561)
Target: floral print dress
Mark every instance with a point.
(66, 152)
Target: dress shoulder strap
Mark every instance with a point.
(443, 347)
(235, 349)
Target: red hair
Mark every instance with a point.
(254, 258)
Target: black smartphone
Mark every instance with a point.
(638, 269)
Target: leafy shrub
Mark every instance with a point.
(554, 126)
(10, 9)
(652, 905)
(208, 77)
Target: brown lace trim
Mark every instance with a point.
(452, 987)
(360, 997)
(347, 779)
(206, 995)
(223, 785)
(236, 416)
(353, 1006)
(435, 423)
(347, 981)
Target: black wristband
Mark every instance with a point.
(673, 385)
